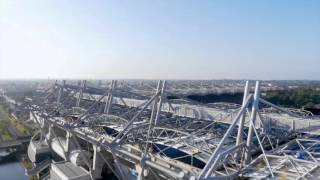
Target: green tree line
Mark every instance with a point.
(297, 98)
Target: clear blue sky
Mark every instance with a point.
(162, 39)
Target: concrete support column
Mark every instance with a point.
(50, 135)
(97, 162)
(255, 108)
(293, 125)
(42, 132)
(68, 142)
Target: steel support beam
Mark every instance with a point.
(110, 97)
(242, 120)
(82, 87)
(213, 160)
(255, 108)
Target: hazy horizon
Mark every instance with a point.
(178, 40)
(173, 79)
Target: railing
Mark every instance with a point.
(300, 125)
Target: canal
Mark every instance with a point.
(10, 167)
